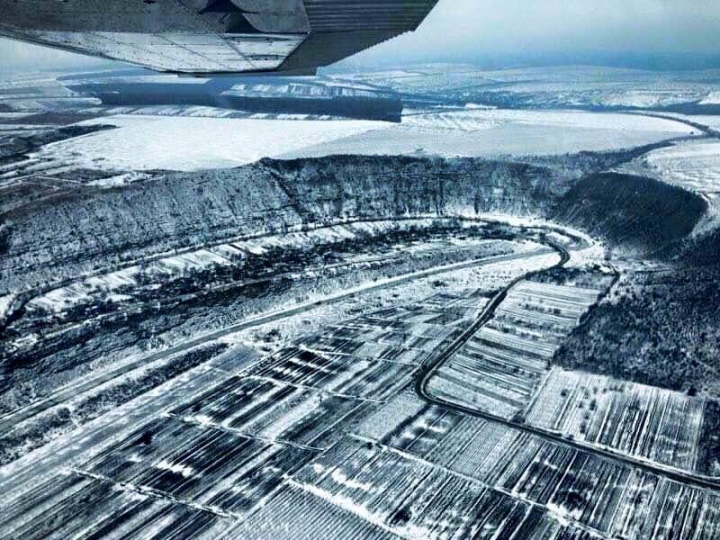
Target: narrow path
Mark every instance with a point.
(427, 371)
(707, 130)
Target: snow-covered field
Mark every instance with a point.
(194, 143)
(713, 98)
(553, 87)
(709, 121)
(473, 119)
(604, 411)
(693, 165)
(489, 133)
(187, 144)
(646, 98)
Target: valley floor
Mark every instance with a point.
(328, 428)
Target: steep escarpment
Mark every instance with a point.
(703, 251)
(356, 186)
(95, 228)
(659, 328)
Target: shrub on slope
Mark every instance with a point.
(704, 251)
(629, 210)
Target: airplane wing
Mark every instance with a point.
(213, 36)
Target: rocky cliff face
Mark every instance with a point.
(350, 186)
(97, 228)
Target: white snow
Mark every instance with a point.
(491, 133)
(59, 300)
(193, 143)
(186, 144)
(713, 98)
(565, 119)
(64, 298)
(5, 302)
(340, 478)
(694, 165)
(183, 470)
(647, 98)
(119, 180)
(710, 121)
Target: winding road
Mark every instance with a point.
(429, 369)
(79, 387)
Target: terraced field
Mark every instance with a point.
(499, 369)
(329, 433)
(602, 497)
(408, 335)
(650, 423)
